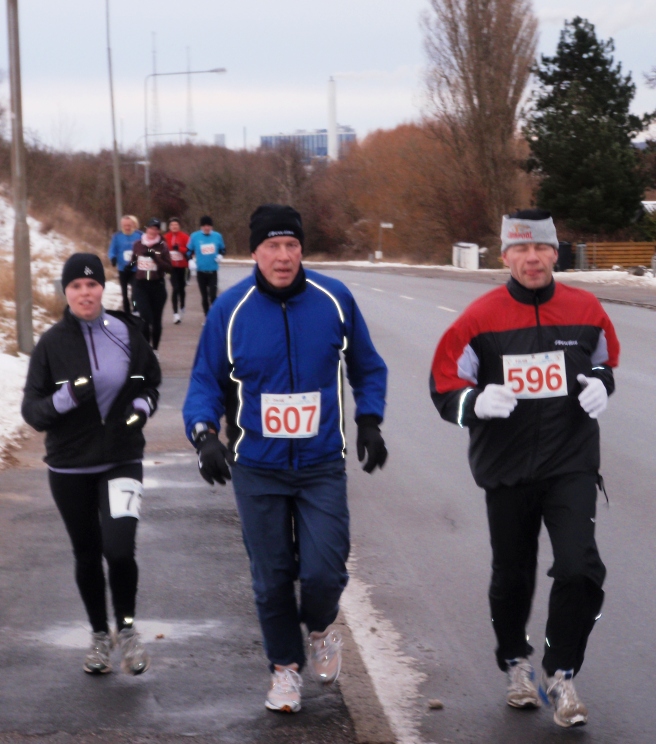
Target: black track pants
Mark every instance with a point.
(150, 298)
(178, 287)
(83, 502)
(567, 504)
(207, 284)
(126, 278)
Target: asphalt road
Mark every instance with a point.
(420, 535)
(420, 551)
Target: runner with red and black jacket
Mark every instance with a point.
(528, 368)
(177, 242)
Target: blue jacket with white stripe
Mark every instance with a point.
(254, 342)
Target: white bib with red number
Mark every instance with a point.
(176, 256)
(127, 255)
(207, 249)
(146, 263)
(536, 375)
(291, 416)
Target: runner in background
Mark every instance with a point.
(528, 368)
(177, 242)
(206, 245)
(120, 255)
(270, 359)
(150, 256)
(91, 386)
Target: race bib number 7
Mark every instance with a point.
(125, 496)
(292, 416)
(536, 375)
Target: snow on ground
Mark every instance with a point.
(48, 252)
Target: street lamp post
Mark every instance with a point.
(117, 173)
(22, 275)
(163, 74)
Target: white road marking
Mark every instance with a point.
(394, 676)
(448, 309)
(405, 297)
(355, 284)
(153, 483)
(375, 289)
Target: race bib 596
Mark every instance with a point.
(536, 375)
(291, 416)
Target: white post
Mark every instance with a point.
(333, 144)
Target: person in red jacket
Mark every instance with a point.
(528, 368)
(177, 243)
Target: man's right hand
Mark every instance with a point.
(212, 458)
(496, 401)
(82, 390)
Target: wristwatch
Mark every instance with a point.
(200, 428)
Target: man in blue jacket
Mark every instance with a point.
(270, 359)
(206, 245)
(120, 255)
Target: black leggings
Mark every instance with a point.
(567, 506)
(207, 283)
(83, 502)
(150, 298)
(178, 287)
(126, 278)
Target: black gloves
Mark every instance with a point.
(135, 418)
(212, 458)
(113, 260)
(82, 390)
(370, 439)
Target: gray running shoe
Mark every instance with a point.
(284, 694)
(325, 655)
(97, 659)
(522, 692)
(134, 657)
(559, 691)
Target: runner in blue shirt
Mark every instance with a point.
(120, 254)
(205, 245)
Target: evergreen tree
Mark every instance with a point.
(579, 130)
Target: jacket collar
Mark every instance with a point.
(285, 293)
(530, 296)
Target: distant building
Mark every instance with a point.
(219, 140)
(312, 144)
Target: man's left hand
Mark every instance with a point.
(593, 398)
(371, 441)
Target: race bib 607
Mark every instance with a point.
(536, 375)
(291, 416)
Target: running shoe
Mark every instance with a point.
(176, 318)
(284, 694)
(522, 692)
(325, 655)
(182, 311)
(134, 657)
(559, 691)
(97, 659)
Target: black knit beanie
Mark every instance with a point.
(83, 266)
(206, 220)
(275, 221)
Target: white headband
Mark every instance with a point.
(515, 231)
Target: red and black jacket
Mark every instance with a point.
(542, 437)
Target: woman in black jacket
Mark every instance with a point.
(91, 386)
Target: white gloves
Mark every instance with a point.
(496, 401)
(594, 398)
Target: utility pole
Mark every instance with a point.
(117, 171)
(22, 277)
(190, 109)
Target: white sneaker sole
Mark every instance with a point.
(287, 708)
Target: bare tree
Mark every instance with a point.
(650, 78)
(480, 56)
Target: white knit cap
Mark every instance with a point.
(518, 230)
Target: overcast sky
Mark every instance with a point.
(279, 55)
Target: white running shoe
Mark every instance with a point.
(325, 655)
(522, 692)
(97, 659)
(134, 657)
(285, 692)
(559, 691)
(176, 318)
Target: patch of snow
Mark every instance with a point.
(13, 371)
